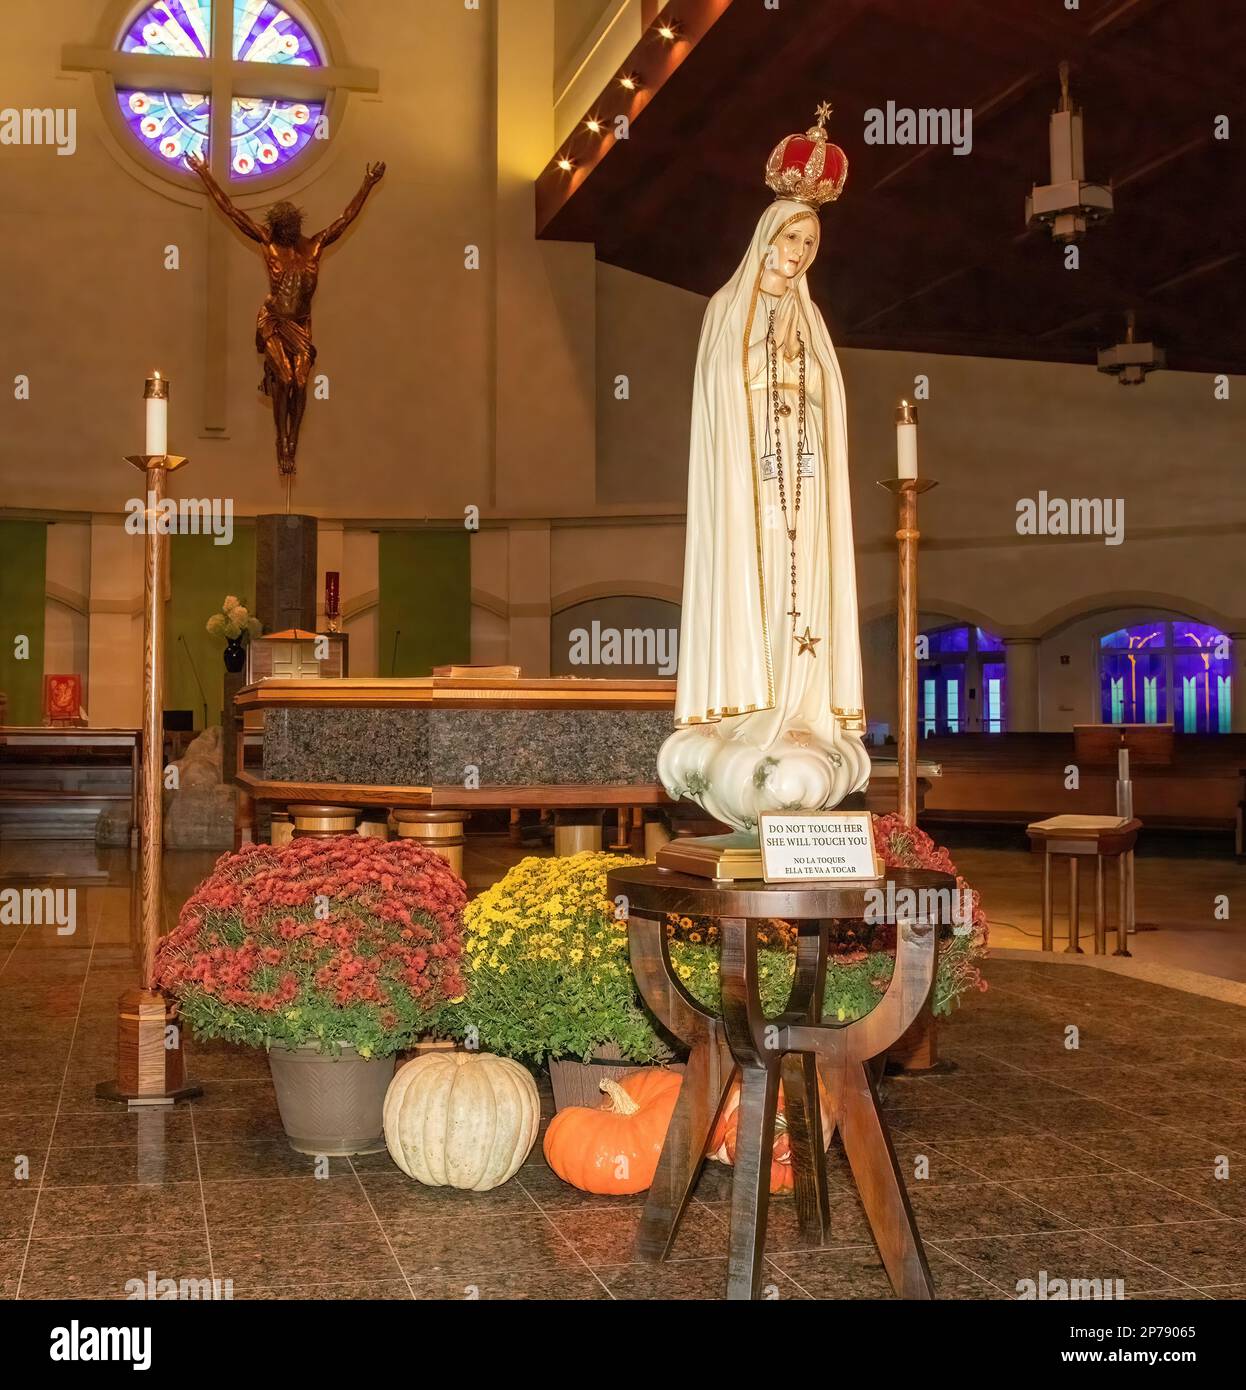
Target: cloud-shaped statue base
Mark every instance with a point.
(735, 780)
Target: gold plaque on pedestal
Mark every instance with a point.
(724, 858)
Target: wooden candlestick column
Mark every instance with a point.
(917, 1049)
(150, 1059)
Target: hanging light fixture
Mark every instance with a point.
(1130, 361)
(1068, 204)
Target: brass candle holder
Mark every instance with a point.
(907, 491)
(917, 1050)
(150, 1059)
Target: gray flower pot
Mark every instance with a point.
(579, 1083)
(331, 1105)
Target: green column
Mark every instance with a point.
(23, 578)
(425, 601)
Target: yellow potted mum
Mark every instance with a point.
(548, 977)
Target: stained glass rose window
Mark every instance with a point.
(266, 130)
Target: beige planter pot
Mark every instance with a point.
(331, 1105)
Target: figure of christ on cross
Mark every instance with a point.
(283, 332)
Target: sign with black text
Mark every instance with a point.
(830, 846)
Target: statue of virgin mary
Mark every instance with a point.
(769, 712)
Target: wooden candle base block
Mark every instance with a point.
(150, 1071)
(916, 1053)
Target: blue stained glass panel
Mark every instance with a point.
(265, 33)
(174, 124)
(948, 639)
(995, 683)
(1187, 634)
(267, 134)
(171, 28)
(1132, 687)
(1202, 680)
(1131, 638)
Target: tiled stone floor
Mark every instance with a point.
(1098, 1161)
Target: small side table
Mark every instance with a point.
(1078, 837)
(797, 1047)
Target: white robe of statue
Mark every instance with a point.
(761, 725)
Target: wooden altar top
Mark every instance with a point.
(458, 692)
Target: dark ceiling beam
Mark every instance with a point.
(1001, 101)
(987, 245)
(1164, 158)
(1195, 272)
(1023, 348)
(1057, 41)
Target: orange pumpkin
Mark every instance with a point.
(613, 1149)
(722, 1145)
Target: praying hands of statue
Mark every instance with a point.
(786, 322)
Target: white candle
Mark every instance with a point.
(906, 440)
(156, 399)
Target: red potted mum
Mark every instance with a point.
(334, 954)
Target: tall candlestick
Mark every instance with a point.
(156, 400)
(906, 440)
(917, 1050)
(150, 1061)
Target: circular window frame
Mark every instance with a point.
(175, 180)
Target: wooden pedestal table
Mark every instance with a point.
(1097, 838)
(797, 1047)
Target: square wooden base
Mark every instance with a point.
(724, 858)
(728, 858)
(150, 1058)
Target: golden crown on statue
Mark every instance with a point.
(808, 168)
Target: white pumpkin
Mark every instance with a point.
(461, 1119)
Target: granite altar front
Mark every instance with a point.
(455, 743)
